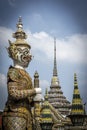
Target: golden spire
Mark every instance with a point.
(55, 80)
(55, 64)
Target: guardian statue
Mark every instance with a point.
(17, 114)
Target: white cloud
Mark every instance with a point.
(5, 34)
(42, 45)
(70, 49)
(73, 48)
(3, 80)
(41, 35)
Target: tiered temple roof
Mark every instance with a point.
(56, 97)
(50, 115)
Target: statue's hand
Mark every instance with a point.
(37, 97)
(38, 90)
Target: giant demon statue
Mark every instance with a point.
(17, 113)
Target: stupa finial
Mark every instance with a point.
(19, 24)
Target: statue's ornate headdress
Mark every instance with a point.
(20, 36)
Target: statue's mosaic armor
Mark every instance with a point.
(17, 113)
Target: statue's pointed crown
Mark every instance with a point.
(20, 35)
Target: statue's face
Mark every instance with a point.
(20, 54)
(23, 56)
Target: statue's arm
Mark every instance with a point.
(16, 93)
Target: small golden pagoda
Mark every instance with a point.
(37, 105)
(77, 114)
(46, 115)
(77, 106)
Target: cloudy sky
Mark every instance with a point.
(42, 21)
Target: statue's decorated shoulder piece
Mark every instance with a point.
(17, 113)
